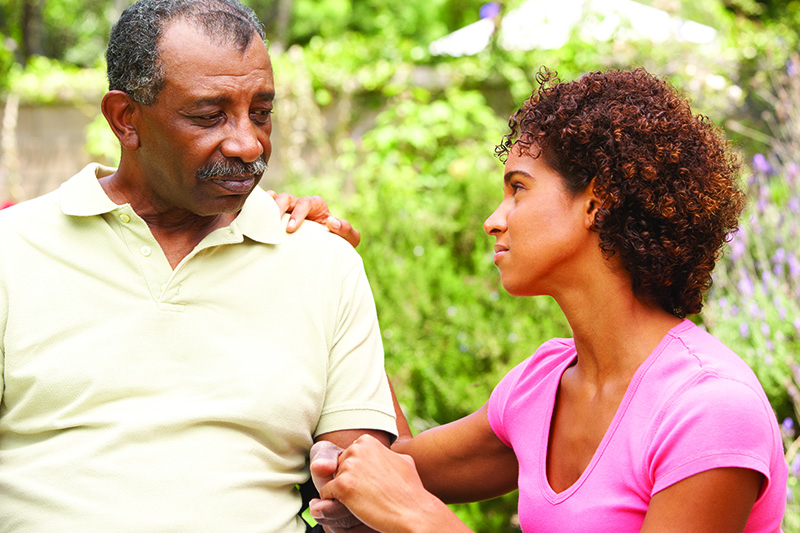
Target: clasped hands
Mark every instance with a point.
(365, 488)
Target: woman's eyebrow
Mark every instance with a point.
(511, 173)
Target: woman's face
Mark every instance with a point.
(543, 231)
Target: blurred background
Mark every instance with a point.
(391, 111)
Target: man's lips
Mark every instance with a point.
(235, 184)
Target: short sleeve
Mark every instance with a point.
(499, 399)
(712, 422)
(357, 395)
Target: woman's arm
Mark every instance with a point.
(718, 500)
(462, 461)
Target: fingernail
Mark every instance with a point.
(291, 224)
(334, 223)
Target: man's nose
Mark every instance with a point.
(243, 141)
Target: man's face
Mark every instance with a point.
(203, 145)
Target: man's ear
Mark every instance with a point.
(121, 112)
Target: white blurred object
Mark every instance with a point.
(466, 41)
(548, 24)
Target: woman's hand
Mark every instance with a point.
(315, 209)
(383, 490)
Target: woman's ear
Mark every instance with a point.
(121, 112)
(592, 203)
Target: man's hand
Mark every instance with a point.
(383, 489)
(315, 209)
(330, 513)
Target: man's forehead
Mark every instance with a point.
(183, 36)
(185, 50)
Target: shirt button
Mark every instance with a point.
(145, 250)
(125, 218)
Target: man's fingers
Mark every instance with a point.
(336, 517)
(324, 449)
(324, 458)
(343, 229)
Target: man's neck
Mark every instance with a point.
(177, 231)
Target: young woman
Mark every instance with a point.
(617, 203)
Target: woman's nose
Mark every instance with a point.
(497, 221)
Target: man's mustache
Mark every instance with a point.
(232, 168)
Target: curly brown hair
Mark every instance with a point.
(667, 178)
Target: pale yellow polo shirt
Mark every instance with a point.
(140, 399)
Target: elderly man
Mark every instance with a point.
(169, 353)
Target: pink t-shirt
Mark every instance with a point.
(693, 405)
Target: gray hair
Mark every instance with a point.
(134, 46)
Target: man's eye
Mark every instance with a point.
(261, 116)
(516, 187)
(213, 117)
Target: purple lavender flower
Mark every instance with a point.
(760, 164)
(792, 171)
(792, 68)
(794, 267)
(744, 330)
(745, 285)
(788, 426)
(737, 249)
(490, 10)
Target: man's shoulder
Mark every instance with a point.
(313, 240)
(48, 206)
(36, 210)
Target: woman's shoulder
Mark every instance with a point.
(549, 355)
(694, 353)
(550, 359)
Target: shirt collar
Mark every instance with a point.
(82, 196)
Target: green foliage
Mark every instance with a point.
(101, 143)
(46, 81)
(424, 179)
(755, 303)
(6, 63)
(400, 143)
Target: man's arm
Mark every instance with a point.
(346, 437)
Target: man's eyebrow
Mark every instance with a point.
(510, 174)
(218, 100)
(211, 100)
(265, 95)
